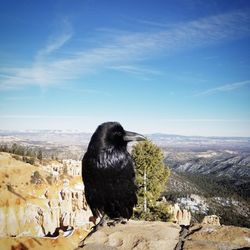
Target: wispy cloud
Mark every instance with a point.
(55, 44)
(123, 49)
(152, 23)
(85, 90)
(136, 70)
(223, 88)
(40, 72)
(57, 41)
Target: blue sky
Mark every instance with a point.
(177, 67)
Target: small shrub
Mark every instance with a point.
(49, 179)
(36, 178)
(159, 212)
(18, 158)
(30, 160)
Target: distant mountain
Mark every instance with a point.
(200, 143)
(72, 137)
(49, 136)
(62, 144)
(230, 168)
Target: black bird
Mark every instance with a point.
(108, 173)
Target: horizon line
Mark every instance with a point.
(77, 131)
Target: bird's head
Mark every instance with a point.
(113, 134)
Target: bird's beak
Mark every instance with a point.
(132, 136)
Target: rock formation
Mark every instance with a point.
(134, 235)
(31, 208)
(43, 216)
(211, 220)
(180, 216)
(147, 235)
(215, 237)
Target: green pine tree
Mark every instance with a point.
(151, 177)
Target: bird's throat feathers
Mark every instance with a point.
(111, 157)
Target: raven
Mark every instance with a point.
(108, 173)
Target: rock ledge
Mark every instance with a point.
(134, 235)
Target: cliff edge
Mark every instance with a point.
(144, 235)
(134, 235)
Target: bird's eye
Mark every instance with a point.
(118, 134)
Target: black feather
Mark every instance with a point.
(108, 173)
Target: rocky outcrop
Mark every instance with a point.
(73, 167)
(46, 215)
(134, 235)
(211, 220)
(180, 216)
(215, 237)
(142, 235)
(67, 166)
(34, 203)
(168, 236)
